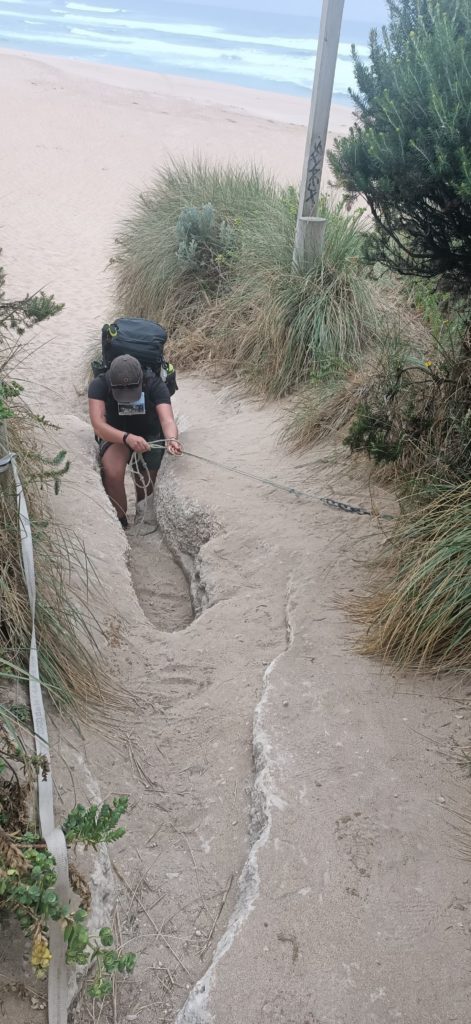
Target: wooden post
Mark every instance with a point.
(309, 241)
(326, 61)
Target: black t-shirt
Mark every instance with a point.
(147, 425)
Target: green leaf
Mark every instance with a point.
(106, 936)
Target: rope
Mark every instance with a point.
(138, 468)
(52, 835)
(341, 506)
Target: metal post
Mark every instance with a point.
(309, 227)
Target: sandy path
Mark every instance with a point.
(288, 800)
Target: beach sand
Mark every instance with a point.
(81, 140)
(96, 134)
(290, 802)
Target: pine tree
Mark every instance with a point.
(409, 153)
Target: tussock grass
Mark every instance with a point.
(416, 419)
(150, 280)
(259, 317)
(71, 667)
(420, 616)
(278, 325)
(326, 407)
(323, 410)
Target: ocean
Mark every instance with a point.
(260, 50)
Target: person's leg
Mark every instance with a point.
(144, 483)
(113, 463)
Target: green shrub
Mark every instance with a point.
(409, 153)
(417, 413)
(206, 243)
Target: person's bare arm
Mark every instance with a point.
(97, 412)
(169, 428)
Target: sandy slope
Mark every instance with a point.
(291, 805)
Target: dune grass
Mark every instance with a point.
(69, 658)
(70, 664)
(414, 411)
(254, 313)
(280, 326)
(326, 409)
(150, 279)
(417, 420)
(398, 337)
(420, 616)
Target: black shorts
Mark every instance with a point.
(152, 459)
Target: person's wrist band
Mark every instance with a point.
(125, 440)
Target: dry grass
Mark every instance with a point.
(327, 408)
(71, 667)
(323, 410)
(189, 350)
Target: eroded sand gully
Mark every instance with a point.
(296, 824)
(361, 911)
(162, 588)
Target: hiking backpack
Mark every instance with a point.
(143, 339)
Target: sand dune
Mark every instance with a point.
(289, 800)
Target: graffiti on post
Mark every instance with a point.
(314, 174)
